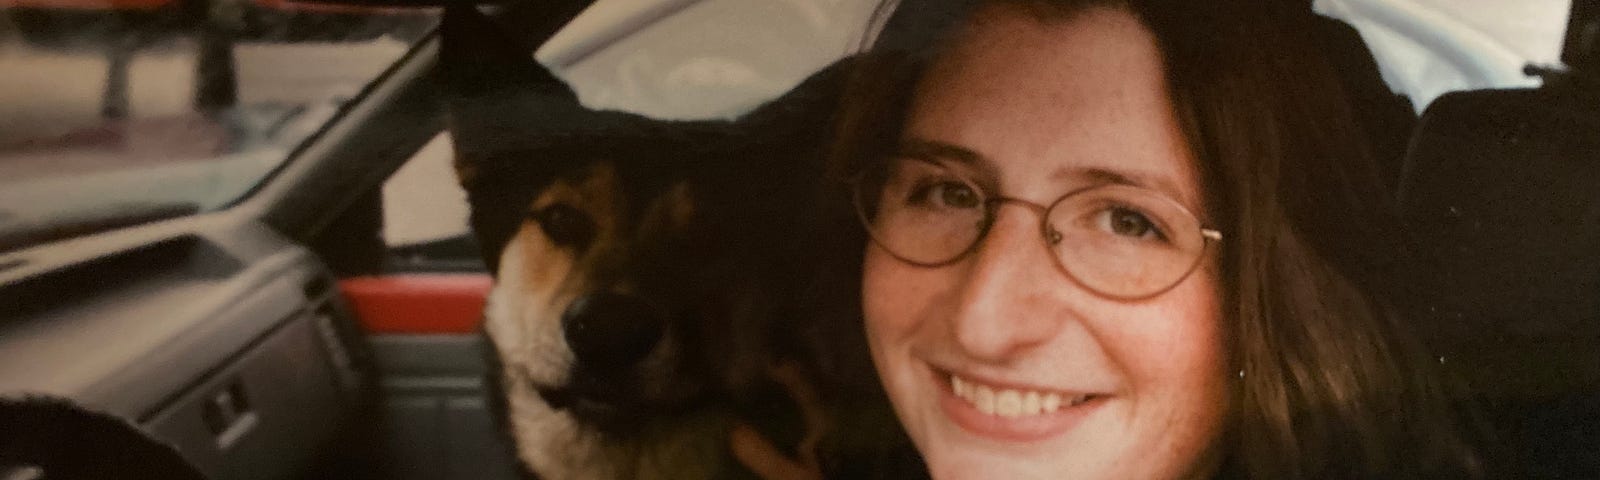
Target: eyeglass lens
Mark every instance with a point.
(1118, 240)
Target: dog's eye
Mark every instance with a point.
(565, 225)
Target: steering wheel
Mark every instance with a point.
(46, 438)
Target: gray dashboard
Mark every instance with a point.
(218, 337)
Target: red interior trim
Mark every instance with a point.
(418, 303)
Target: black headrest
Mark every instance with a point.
(1581, 50)
(1501, 190)
(1385, 117)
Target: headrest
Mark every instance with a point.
(1384, 116)
(1581, 50)
(1501, 189)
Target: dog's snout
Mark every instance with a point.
(609, 330)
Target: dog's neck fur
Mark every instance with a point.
(554, 444)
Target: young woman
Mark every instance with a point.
(1135, 239)
(1038, 297)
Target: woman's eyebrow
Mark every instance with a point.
(1100, 175)
(1106, 175)
(933, 149)
(937, 150)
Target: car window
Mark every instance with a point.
(425, 215)
(1426, 48)
(118, 112)
(700, 59)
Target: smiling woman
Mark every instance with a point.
(1136, 240)
(973, 348)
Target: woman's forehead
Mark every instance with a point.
(1041, 100)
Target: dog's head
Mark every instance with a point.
(645, 269)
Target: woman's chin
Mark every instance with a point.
(963, 442)
(979, 465)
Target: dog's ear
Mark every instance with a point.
(499, 98)
(479, 59)
(812, 101)
(800, 121)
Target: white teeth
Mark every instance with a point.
(1030, 404)
(1050, 403)
(1008, 403)
(1011, 403)
(984, 400)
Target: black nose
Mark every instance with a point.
(609, 330)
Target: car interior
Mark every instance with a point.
(1498, 188)
(280, 337)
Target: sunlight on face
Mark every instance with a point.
(999, 365)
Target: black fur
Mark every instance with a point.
(736, 283)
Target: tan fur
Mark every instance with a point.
(594, 195)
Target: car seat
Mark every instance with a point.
(1501, 191)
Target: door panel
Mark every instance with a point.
(431, 371)
(436, 422)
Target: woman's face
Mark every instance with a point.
(1044, 108)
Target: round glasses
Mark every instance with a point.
(1120, 241)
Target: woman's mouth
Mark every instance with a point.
(1013, 403)
(1012, 413)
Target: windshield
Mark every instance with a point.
(116, 112)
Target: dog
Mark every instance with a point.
(650, 274)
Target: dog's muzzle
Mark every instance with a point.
(611, 336)
(610, 331)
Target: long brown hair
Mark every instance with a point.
(1331, 382)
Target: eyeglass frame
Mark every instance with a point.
(991, 207)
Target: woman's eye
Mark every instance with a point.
(945, 194)
(1130, 223)
(565, 225)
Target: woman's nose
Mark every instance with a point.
(1004, 299)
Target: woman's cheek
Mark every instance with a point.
(888, 293)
